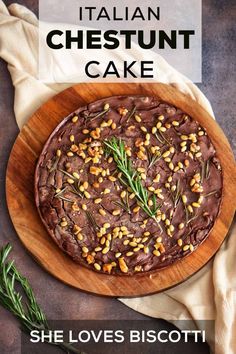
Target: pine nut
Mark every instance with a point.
(75, 119)
(116, 212)
(97, 266)
(129, 254)
(180, 242)
(156, 253)
(186, 248)
(105, 250)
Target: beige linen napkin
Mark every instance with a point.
(211, 293)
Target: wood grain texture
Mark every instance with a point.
(20, 193)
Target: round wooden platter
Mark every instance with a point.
(20, 193)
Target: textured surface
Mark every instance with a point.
(219, 54)
(175, 161)
(30, 229)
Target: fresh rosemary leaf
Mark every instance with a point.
(130, 177)
(91, 117)
(76, 191)
(92, 221)
(176, 194)
(164, 139)
(54, 166)
(205, 170)
(60, 192)
(67, 174)
(153, 158)
(131, 113)
(192, 218)
(209, 194)
(123, 205)
(27, 311)
(65, 199)
(159, 139)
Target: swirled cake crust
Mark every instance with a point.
(138, 211)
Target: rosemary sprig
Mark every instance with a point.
(124, 204)
(132, 178)
(65, 199)
(60, 192)
(153, 158)
(159, 139)
(192, 218)
(176, 194)
(54, 166)
(131, 113)
(74, 188)
(27, 311)
(187, 215)
(76, 191)
(67, 174)
(92, 221)
(164, 138)
(92, 116)
(205, 170)
(209, 194)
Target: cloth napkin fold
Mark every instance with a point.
(208, 295)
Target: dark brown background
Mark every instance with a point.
(60, 301)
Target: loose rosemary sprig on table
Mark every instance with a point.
(27, 311)
(132, 178)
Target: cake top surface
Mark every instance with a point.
(128, 184)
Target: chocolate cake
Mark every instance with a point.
(128, 184)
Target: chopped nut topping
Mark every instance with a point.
(123, 111)
(107, 268)
(95, 170)
(123, 265)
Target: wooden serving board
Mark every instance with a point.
(20, 193)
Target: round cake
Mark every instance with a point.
(128, 184)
